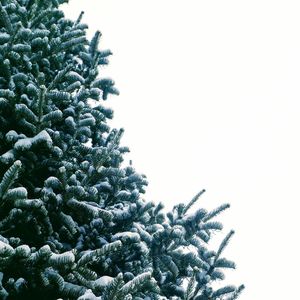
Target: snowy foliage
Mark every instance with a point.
(73, 224)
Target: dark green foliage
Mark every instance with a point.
(73, 224)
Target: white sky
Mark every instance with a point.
(210, 99)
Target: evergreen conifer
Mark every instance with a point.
(73, 224)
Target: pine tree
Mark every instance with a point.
(73, 224)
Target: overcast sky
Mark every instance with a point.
(209, 98)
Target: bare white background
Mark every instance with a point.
(210, 95)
